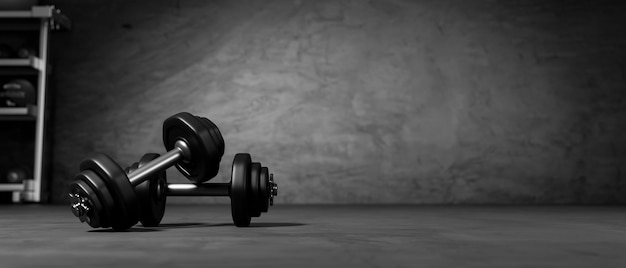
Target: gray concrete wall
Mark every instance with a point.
(498, 102)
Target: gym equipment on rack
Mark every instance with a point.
(17, 93)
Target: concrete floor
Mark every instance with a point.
(324, 236)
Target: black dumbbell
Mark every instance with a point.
(102, 193)
(251, 190)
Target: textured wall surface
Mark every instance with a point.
(501, 102)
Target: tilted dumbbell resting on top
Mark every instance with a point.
(103, 194)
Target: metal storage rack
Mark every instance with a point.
(43, 19)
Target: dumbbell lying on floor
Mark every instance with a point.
(102, 194)
(251, 190)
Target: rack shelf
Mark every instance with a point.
(41, 20)
(18, 113)
(32, 62)
(11, 187)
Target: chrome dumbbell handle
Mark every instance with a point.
(204, 189)
(180, 152)
(211, 189)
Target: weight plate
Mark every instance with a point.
(264, 187)
(254, 191)
(218, 141)
(215, 134)
(151, 194)
(239, 183)
(127, 209)
(205, 153)
(97, 215)
(103, 194)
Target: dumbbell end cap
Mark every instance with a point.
(80, 207)
(274, 189)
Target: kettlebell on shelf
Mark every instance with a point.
(17, 174)
(26, 52)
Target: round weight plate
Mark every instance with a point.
(97, 215)
(205, 154)
(215, 134)
(127, 209)
(239, 183)
(218, 141)
(264, 187)
(151, 194)
(254, 191)
(103, 195)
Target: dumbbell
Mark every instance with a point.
(251, 190)
(102, 193)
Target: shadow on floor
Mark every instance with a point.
(161, 227)
(138, 230)
(252, 225)
(274, 224)
(166, 226)
(185, 225)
